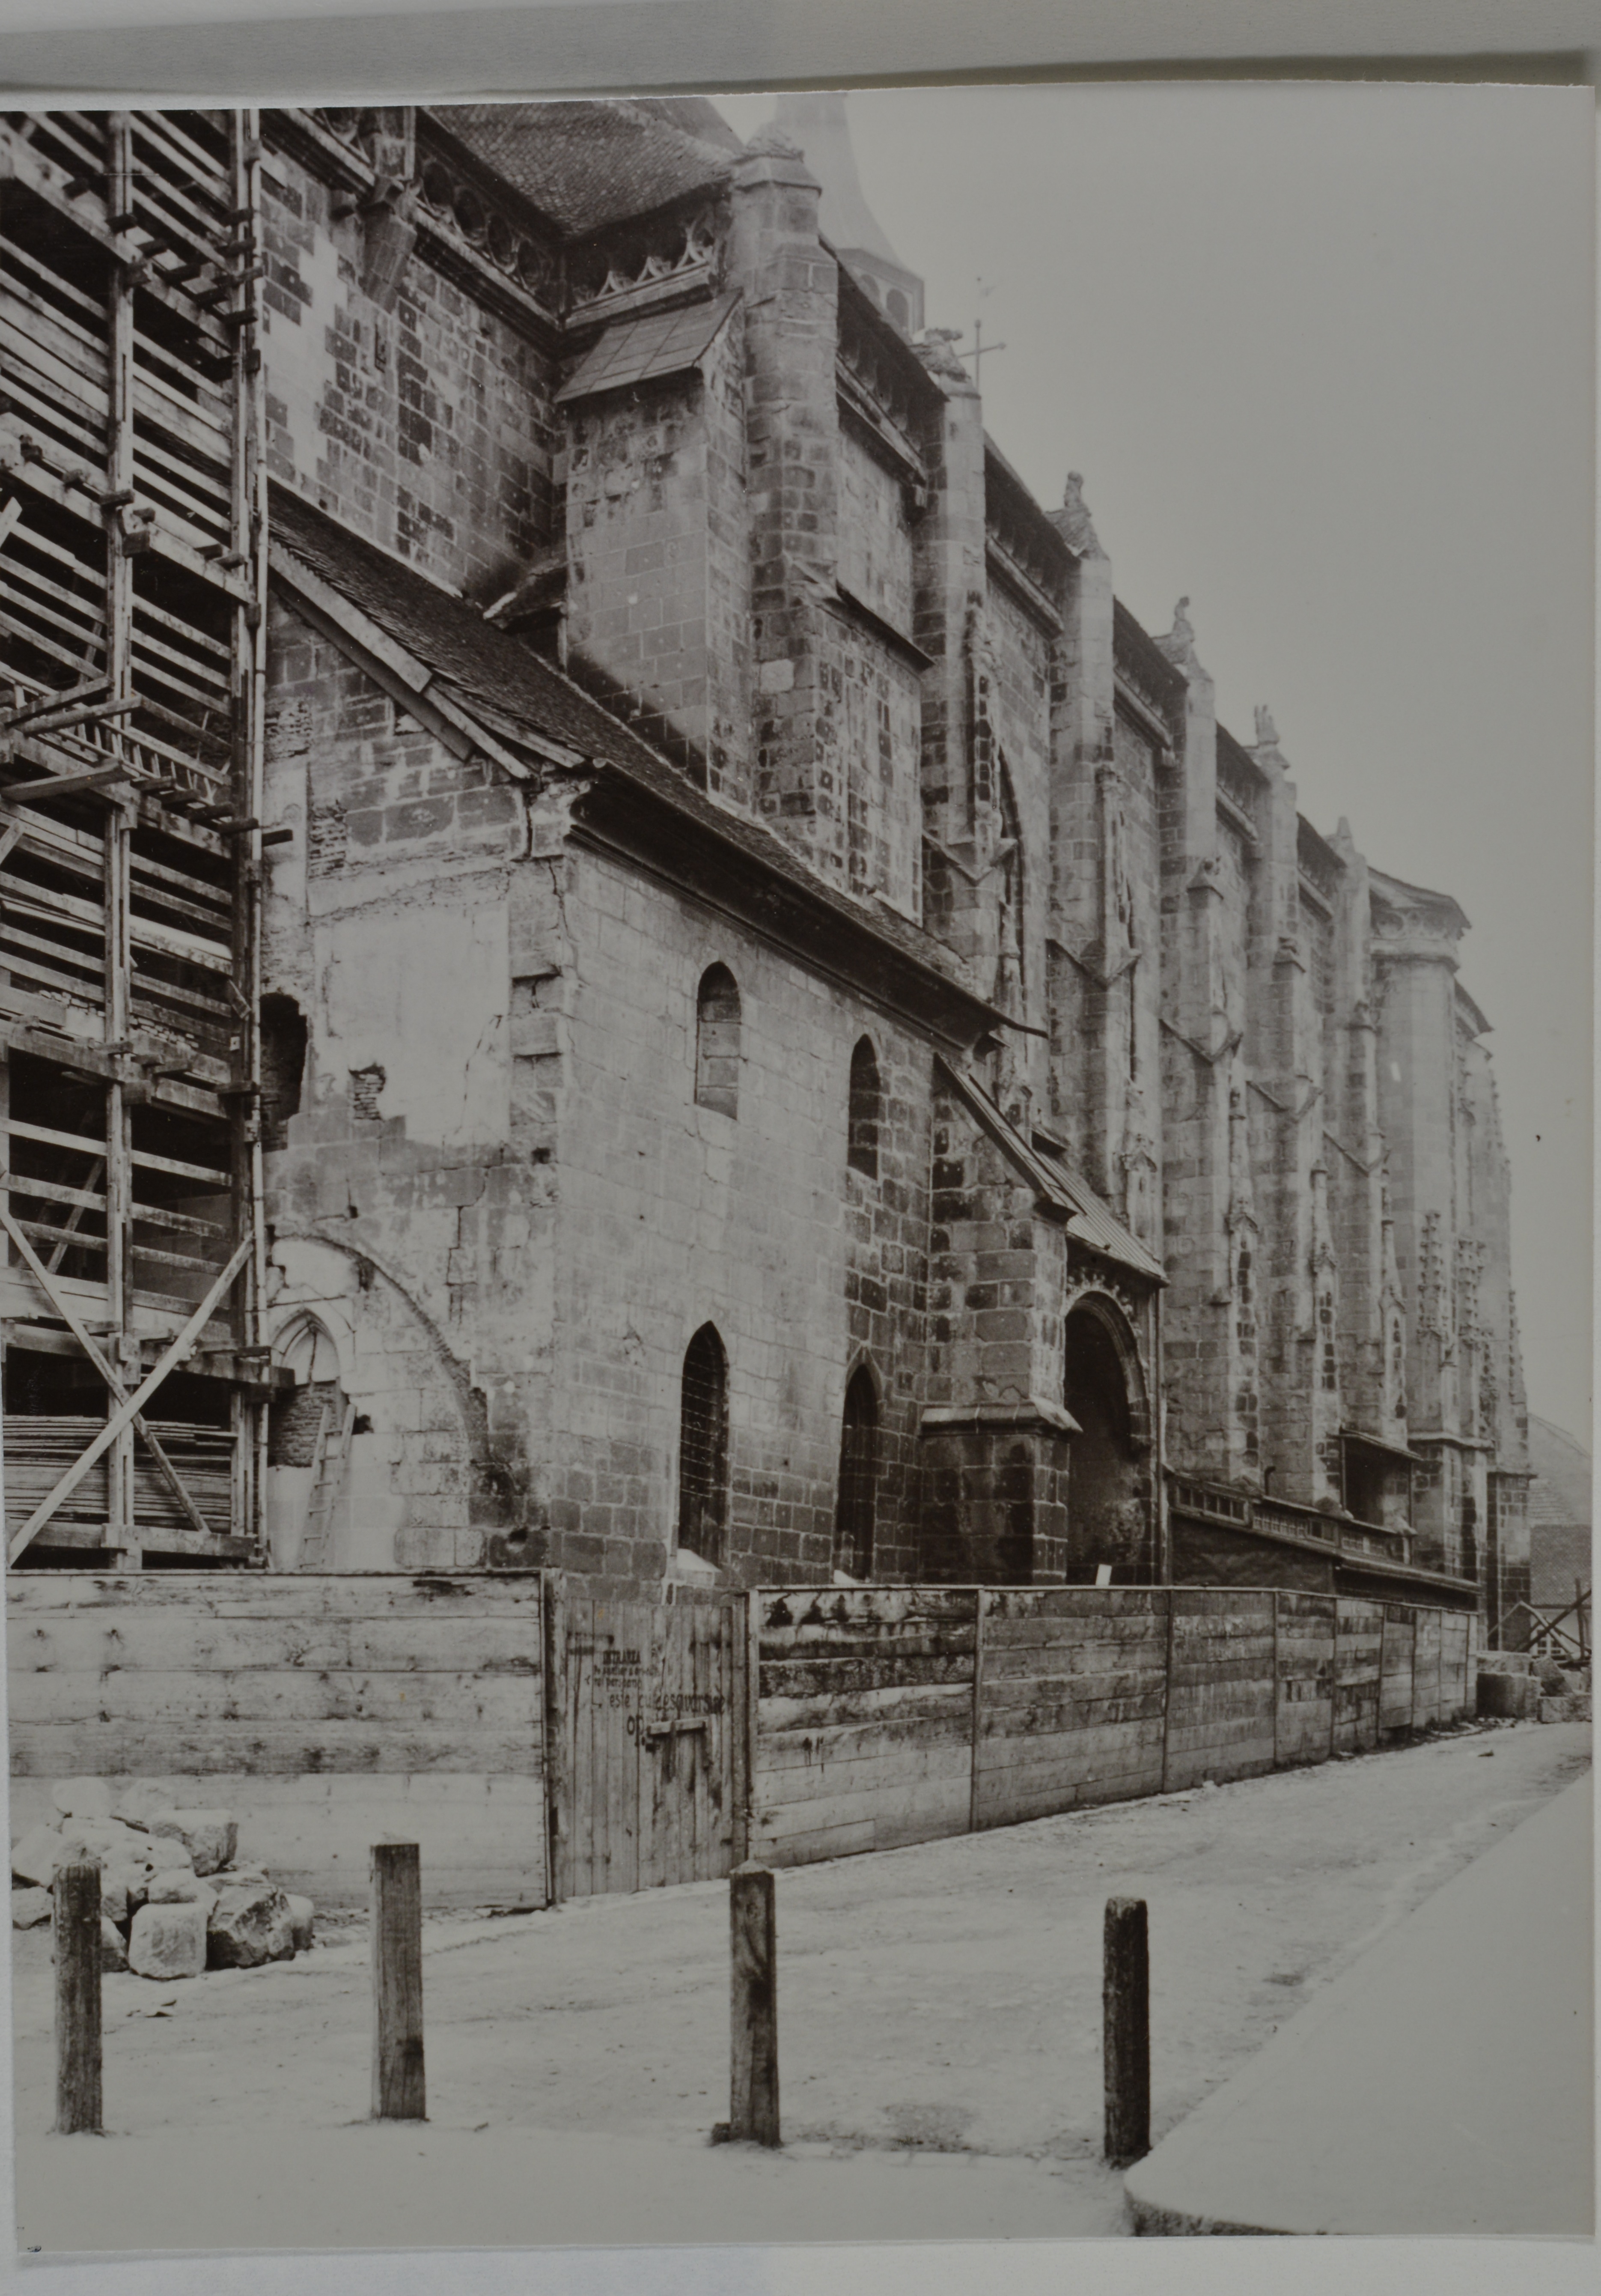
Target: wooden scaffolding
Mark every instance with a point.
(133, 555)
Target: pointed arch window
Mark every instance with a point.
(1010, 937)
(855, 1512)
(866, 1110)
(703, 1448)
(717, 1041)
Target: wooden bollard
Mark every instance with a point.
(76, 1923)
(397, 2082)
(753, 1931)
(1127, 2058)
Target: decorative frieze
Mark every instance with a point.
(459, 209)
(667, 254)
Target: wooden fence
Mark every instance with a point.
(326, 1711)
(488, 1716)
(888, 1714)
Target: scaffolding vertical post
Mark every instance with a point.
(121, 1534)
(249, 544)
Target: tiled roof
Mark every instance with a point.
(593, 162)
(496, 673)
(665, 342)
(1089, 1220)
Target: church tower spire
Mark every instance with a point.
(817, 123)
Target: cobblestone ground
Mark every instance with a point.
(935, 2002)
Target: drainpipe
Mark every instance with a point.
(1165, 1572)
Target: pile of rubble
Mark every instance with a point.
(172, 1901)
(1517, 1686)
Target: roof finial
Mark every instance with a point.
(1179, 644)
(1076, 525)
(771, 143)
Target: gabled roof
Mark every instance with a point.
(508, 689)
(586, 163)
(1562, 1472)
(1061, 1189)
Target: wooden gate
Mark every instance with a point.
(646, 1776)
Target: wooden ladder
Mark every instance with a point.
(327, 1480)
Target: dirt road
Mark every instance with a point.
(943, 1999)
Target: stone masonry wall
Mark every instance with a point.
(408, 1213)
(675, 1215)
(868, 732)
(428, 427)
(875, 543)
(1239, 1065)
(658, 599)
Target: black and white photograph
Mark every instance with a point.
(795, 1064)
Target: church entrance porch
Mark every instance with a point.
(1110, 1522)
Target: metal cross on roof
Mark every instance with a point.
(981, 350)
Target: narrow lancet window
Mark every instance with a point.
(703, 1448)
(866, 1111)
(856, 1509)
(717, 1041)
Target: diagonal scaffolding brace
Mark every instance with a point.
(63, 1307)
(129, 1408)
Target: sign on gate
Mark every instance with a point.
(646, 1704)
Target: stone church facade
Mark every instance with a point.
(794, 1039)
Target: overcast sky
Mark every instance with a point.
(1324, 354)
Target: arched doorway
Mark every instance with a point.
(1108, 1481)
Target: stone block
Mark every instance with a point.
(83, 1797)
(210, 1836)
(180, 1887)
(249, 1926)
(1573, 1706)
(303, 1921)
(145, 1799)
(29, 1907)
(35, 1857)
(1508, 1697)
(123, 1889)
(167, 1941)
(112, 1842)
(113, 1947)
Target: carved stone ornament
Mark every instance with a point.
(1179, 644)
(1077, 526)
